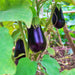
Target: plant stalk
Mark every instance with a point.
(37, 5)
(23, 37)
(69, 38)
(49, 21)
(60, 41)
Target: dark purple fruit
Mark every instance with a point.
(58, 18)
(36, 39)
(19, 49)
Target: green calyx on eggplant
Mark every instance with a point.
(36, 39)
(58, 18)
(19, 49)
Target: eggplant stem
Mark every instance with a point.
(23, 37)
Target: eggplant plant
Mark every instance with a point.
(25, 14)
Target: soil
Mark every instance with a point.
(64, 57)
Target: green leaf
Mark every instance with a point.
(51, 51)
(26, 67)
(64, 72)
(68, 72)
(58, 0)
(7, 66)
(19, 13)
(15, 34)
(6, 4)
(35, 20)
(11, 26)
(34, 12)
(51, 65)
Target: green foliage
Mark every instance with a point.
(6, 4)
(62, 34)
(24, 11)
(33, 11)
(70, 19)
(71, 22)
(7, 66)
(15, 34)
(72, 28)
(51, 51)
(43, 22)
(26, 67)
(47, 5)
(17, 14)
(19, 11)
(68, 72)
(11, 26)
(50, 64)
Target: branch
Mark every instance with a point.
(49, 21)
(60, 41)
(42, 1)
(39, 5)
(69, 38)
(23, 37)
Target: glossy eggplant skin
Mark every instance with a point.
(19, 49)
(36, 39)
(58, 18)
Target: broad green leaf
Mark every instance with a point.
(50, 64)
(20, 13)
(51, 51)
(26, 67)
(7, 66)
(68, 72)
(6, 4)
(64, 72)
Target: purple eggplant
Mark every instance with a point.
(36, 39)
(58, 18)
(19, 49)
